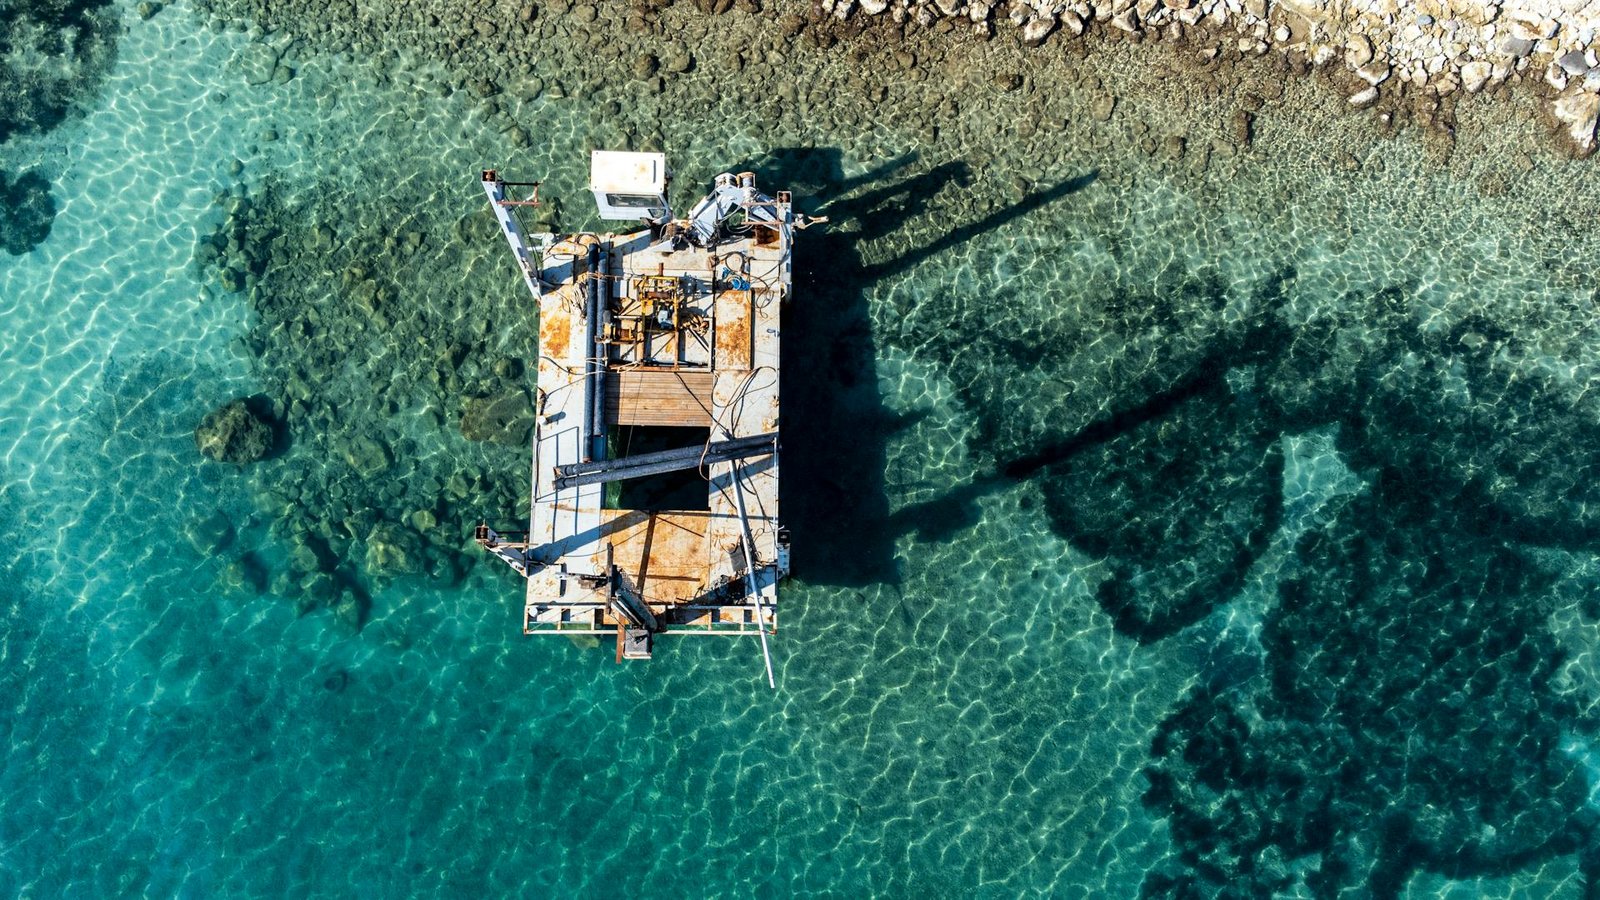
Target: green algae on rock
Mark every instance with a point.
(211, 534)
(503, 418)
(393, 550)
(367, 365)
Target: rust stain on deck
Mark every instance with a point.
(555, 331)
(734, 349)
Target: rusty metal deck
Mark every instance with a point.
(707, 360)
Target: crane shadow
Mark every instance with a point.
(836, 426)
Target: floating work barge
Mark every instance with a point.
(654, 503)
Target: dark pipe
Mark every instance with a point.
(591, 366)
(602, 308)
(627, 468)
(720, 449)
(623, 474)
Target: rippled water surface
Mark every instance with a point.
(1173, 513)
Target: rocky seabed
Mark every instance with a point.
(1439, 47)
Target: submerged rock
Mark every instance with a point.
(1382, 653)
(234, 433)
(310, 553)
(246, 574)
(393, 550)
(678, 62)
(1008, 81)
(211, 534)
(319, 589)
(1243, 127)
(258, 62)
(503, 418)
(367, 455)
(351, 611)
(56, 52)
(337, 682)
(231, 279)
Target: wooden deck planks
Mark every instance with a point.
(661, 398)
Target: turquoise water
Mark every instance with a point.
(1172, 520)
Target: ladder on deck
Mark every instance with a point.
(496, 189)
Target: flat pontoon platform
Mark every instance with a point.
(645, 335)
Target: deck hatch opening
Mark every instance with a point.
(684, 490)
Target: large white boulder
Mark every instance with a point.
(1578, 112)
(1475, 74)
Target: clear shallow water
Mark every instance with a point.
(964, 710)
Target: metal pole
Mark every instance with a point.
(756, 442)
(640, 465)
(623, 473)
(750, 572)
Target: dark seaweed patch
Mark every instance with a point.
(1406, 716)
(26, 212)
(53, 55)
(367, 356)
(1410, 718)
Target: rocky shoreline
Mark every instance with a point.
(1400, 66)
(1438, 48)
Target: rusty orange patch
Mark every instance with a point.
(555, 333)
(733, 331)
